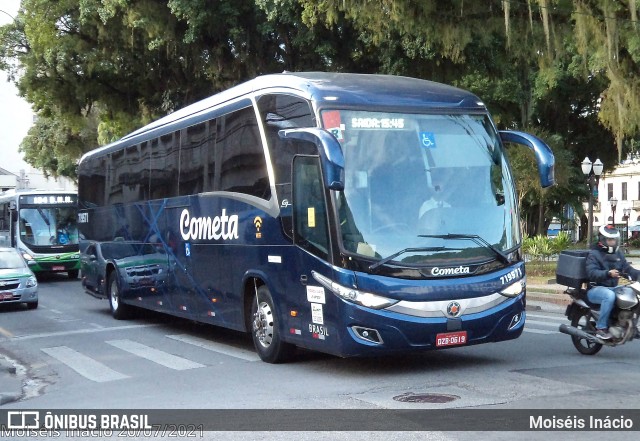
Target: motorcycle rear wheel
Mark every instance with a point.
(583, 320)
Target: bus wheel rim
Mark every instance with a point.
(263, 324)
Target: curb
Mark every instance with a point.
(5, 366)
(8, 371)
(8, 397)
(558, 298)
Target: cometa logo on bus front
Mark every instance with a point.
(450, 271)
(198, 228)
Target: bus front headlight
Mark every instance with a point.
(28, 257)
(515, 289)
(353, 295)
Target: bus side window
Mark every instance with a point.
(243, 167)
(282, 111)
(309, 206)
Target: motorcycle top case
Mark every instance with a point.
(571, 270)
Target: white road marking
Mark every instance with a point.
(216, 347)
(550, 322)
(541, 323)
(75, 332)
(85, 366)
(540, 331)
(163, 358)
(549, 317)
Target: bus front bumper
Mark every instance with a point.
(372, 332)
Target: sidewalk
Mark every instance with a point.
(551, 295)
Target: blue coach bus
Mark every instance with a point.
(348, 214)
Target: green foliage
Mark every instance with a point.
(566, 70)
(634, 243)
(561, 242)
(542, 248)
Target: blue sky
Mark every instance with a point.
(15, 113)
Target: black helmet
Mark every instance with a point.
(608, 232)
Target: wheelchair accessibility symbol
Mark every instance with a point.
(428, 139)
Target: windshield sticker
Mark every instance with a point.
(194, 228)
(311, 217)
(428, 140)
(377, 123)
(331, 121)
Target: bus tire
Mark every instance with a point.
(73, 274)
(119, 310)
(265, 329)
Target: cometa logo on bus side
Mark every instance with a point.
(199, 228)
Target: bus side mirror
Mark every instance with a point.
(544, 156)
(331, 156)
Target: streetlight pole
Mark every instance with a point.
(614, 202)
(592, 170)
(627, 214)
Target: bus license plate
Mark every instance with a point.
(58, 268)
(451, 338)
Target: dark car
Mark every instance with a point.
(18, 284)
(140, 267)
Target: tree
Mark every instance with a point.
(607, 35)
(97, 69)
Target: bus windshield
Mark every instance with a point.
(423, 189)
(42, 226)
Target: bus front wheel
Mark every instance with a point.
(265, 329)
(119, 310)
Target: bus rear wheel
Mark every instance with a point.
(265, 329)
(119, 310)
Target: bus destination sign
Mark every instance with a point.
(49, 199)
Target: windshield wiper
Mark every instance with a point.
(406, 250)
(474, 237)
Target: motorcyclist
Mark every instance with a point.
(605, 264)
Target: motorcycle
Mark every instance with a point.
(583, 314)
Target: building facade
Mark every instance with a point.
(33, 179)
(623, 184)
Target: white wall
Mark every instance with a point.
(629, 172)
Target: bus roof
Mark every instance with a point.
(335, 90)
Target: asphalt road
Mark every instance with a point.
(71, 354)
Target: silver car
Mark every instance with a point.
(18, 284)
